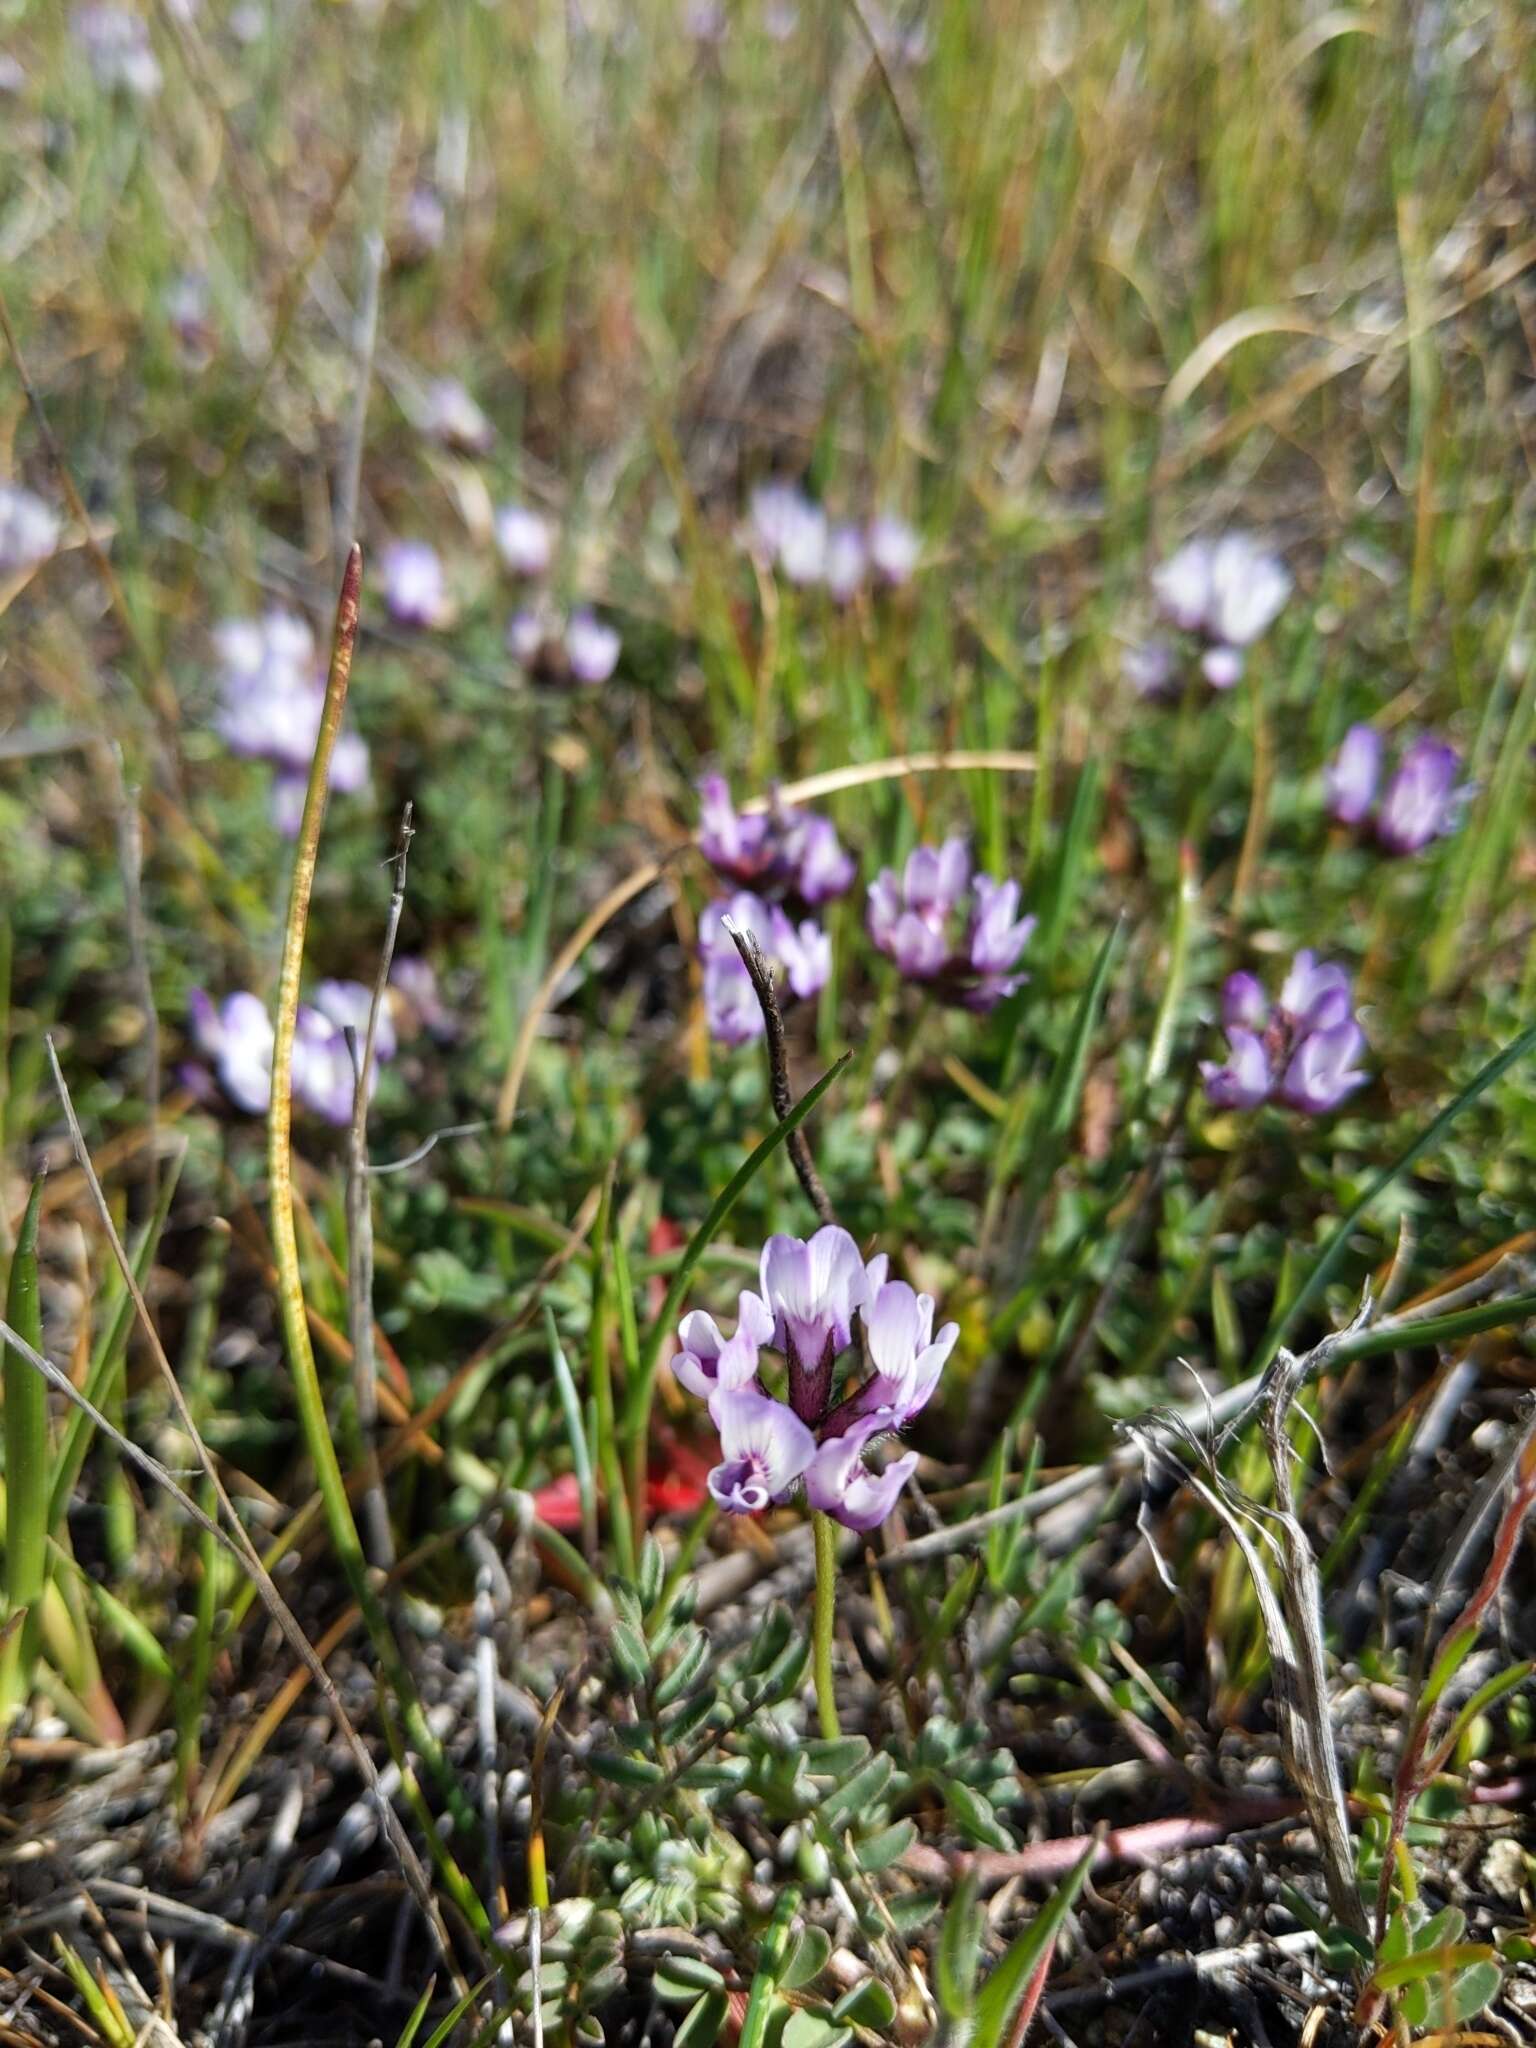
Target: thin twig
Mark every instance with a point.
(797, 1145)
(415, 1157)
(130, 861)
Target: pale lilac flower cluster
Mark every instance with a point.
(116, 44)
(776, 855)
(1226, 593)
(272, 696)
(1303, 1052)
(29, 530)
(799, 955)
(783, 851)
(949, 926)
(789, 532)
(814, 1296)
(1423, 800)
(582, 647)
(415, 588)
(237, 1038)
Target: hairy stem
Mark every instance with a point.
(825, 1620)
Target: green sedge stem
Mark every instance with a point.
(825, 1530)
(26, 1472)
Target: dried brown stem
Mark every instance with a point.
(796, 1144)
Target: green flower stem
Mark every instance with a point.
(26, 1474)
(825, 1530)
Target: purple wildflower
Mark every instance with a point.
(801, 953)
(272, 697)
(839, 1483)
(423, 224)
(117, 48)
(1422, 801)
(238, 1039)
(765, 1448)
(1222, 667)
(1303, 1053)
(324, 1078)
(1151, 668)
(1350, 779)
(907, 1357)
(526, 543)
(1229, 592)
(29, 530)
(415, 593)
(189, 315)
(451, 416)
(945, 924)
(782, 850)
(894, 548)
(789, 531)
(847, 563)
(707, 1363)
(346, 1003)
(529, 632)
(413, 982)
(591, 647)
(814, 1293)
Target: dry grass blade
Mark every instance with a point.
(797, 1144)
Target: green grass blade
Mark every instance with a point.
(26, 1469)
(75, 1439)
(998, 2002)
(1333, 1252)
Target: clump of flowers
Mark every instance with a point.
(272, 693)
(1423, 800)
(789, 532)
(29, 530)
(1302, 1052)
(782, 855)
(1226, 593)
(583, 648)
(800, 954)
(116, 44)
(815, 1294)
(237, 1038)
(947, 925)
(415, 589)
(781, 851)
